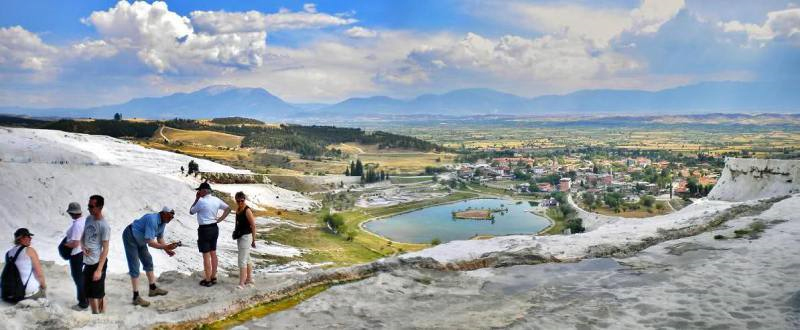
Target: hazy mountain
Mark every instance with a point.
(229, 101)
(209, 102)
(455, 103)
(702, 97)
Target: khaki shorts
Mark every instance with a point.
(243, 243)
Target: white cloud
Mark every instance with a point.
(360, 32)
(597, 25)
(651, 14)
(92, 49)
(522, 59)
(22, 50)
(167, 42)
(252, 21)
(782, 24)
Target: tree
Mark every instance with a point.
(693, 185)
(588, 199)
(647, 201)
(334, 221)
(359, 168)
(117, 116)
(347, 171)
(575, 225)
(613, 200)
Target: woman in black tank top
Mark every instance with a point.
(244, 233)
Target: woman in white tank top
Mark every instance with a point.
(30, 269)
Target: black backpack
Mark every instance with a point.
(64, 251)
(13, 290)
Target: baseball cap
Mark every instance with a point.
(204, 185)
(22, 232)
(167, 209)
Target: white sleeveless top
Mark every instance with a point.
(25, 268)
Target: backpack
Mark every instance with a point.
(64, 251)
(13, 290)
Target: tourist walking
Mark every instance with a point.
(206, 206)
(141, 233)
(245, 235)
(29, 268)
(96, 233)
(73, 241)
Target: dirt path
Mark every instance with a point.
(161, 132)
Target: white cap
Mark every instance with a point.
(168, 209)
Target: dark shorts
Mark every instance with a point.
(94, 289)
(207, 238)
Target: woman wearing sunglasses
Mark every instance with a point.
(25, 258)
(245, 235)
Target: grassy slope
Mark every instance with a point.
(639, 213)
(200, 137)
(365, 247)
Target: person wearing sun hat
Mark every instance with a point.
(72, 240)
(141, 233)
(207, 206)
(24, 256)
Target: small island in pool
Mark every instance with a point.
(477, 214)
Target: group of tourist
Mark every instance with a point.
(86, 246)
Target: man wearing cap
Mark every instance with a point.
(147, 230)
(73, 240)
(206, 206)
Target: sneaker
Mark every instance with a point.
(139, 301)
(157, 292)
(79, 308)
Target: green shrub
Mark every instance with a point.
(436, 241)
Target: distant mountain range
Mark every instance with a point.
(229, 101)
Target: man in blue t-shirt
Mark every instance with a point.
(146, 231)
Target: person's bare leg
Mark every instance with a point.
(213, 264)
(249, 273)
(207, 266)
(94, 304)
(242, 275)
(135, 283)
(151, 277)
(102, 305)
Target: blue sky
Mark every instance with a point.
(87, 53)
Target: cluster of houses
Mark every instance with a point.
(577, 174)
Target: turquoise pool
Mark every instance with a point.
(422, 226)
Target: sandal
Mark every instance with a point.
(206, 283)
(213, 280)
(240, 287)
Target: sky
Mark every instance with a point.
(89, 53)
